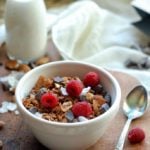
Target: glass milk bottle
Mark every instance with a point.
(26, 32)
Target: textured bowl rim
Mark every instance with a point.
(108, 112)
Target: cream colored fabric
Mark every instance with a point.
(85, 29)
(122, 8)
(88, 32)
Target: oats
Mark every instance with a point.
(66, 106)
(64, 120)
(27, 103)
(95, 106)
(89, 97)
(57, 109)
(55, 91)
(43, 82)
(60, 117)
(99, 99)
(32, 96)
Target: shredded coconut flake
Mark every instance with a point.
(38, 114)
(7, 106)
(17, 112)
(85, 90)
(81, 119)
(63, 91)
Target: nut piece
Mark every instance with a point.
(42, 60)
(66, 106)
(89, 96)
(2, 123)
(24, 68)
(43, 82)
(95, 106)
(99, 99)
(12, 64)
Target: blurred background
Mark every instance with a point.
(49, 4)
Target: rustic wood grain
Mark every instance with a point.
(17, 136)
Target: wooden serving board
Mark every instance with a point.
(111, 136)
(16, 135)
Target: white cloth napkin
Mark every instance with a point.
(88, 32)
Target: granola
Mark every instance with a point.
(64, 107)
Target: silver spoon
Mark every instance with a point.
(134, 106)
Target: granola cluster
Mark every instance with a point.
(17, 66)
(50, 99)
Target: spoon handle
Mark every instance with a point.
(123, 135)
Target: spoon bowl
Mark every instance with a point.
(136, 102)
(134, 107)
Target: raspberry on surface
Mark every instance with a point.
(74, 88)
(82, 109)
(91, 79)
(136, 135)
(49, 100)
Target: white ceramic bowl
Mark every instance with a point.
(68, 136)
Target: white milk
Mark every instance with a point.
(26, 33)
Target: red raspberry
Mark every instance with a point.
(74, 88)
(49, 100)
(136, 135)
(91, 79)
(82, 109)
